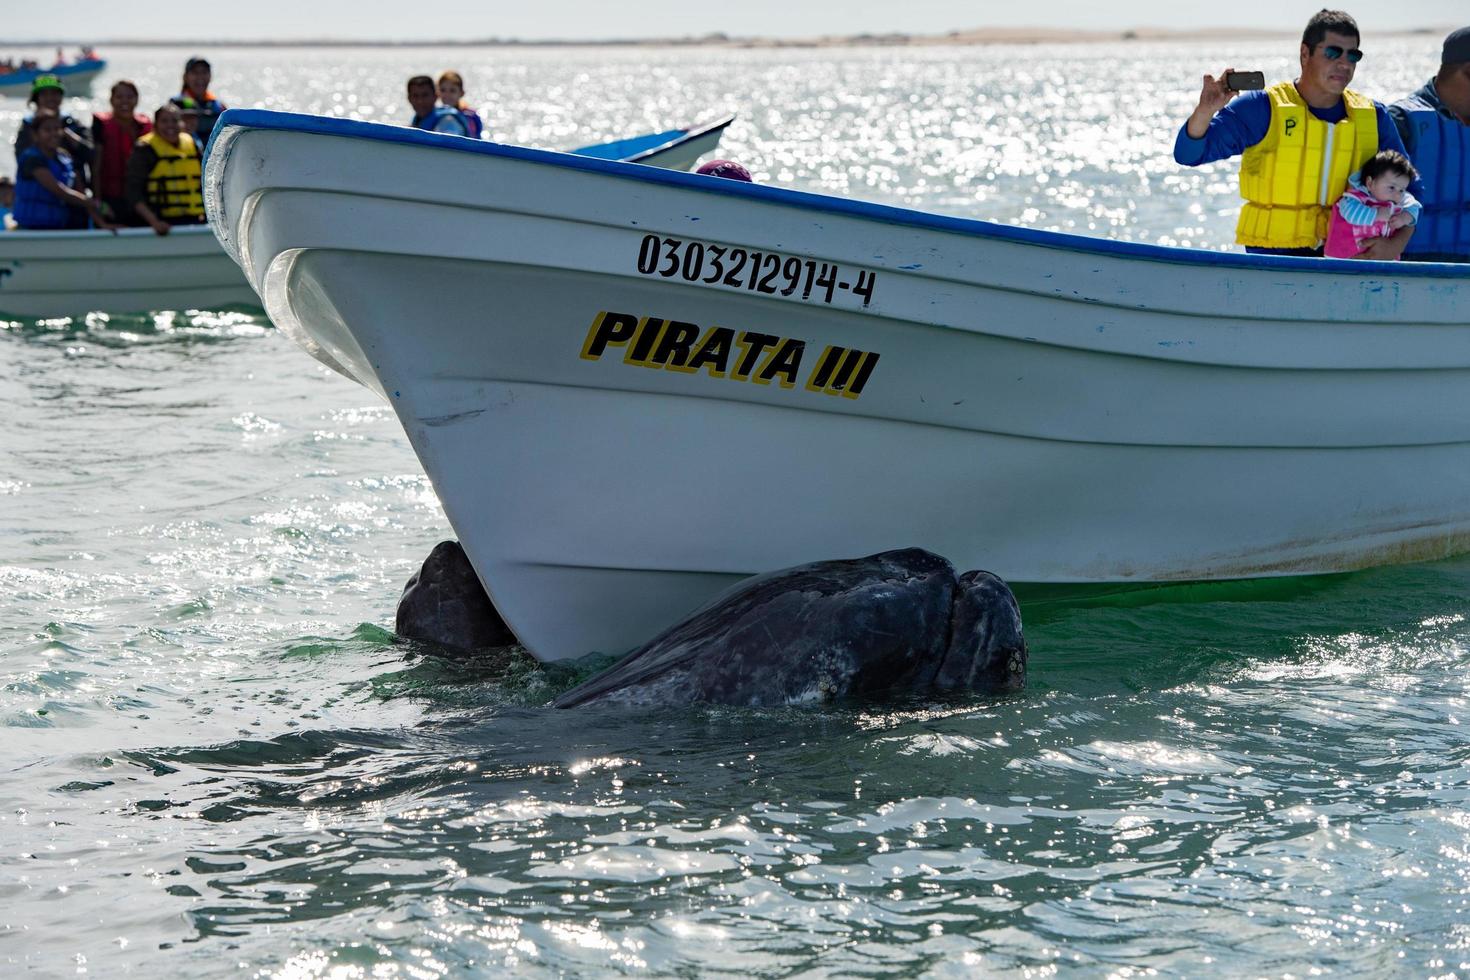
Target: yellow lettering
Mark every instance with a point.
(607, 329)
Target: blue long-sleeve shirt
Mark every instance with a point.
(1246, 120)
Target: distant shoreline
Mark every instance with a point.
(977, 36)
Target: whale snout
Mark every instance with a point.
(987, 649)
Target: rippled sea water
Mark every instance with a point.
(217, 760)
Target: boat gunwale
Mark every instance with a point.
(235, 121)
(97, 234)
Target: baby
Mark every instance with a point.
(1376, 204)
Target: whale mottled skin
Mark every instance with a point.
(895, 622)
(444, 603)
(987, 650)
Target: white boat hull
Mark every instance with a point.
(1052, 409)
(71, 273)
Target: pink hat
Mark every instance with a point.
(725, 168)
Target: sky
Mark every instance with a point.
(599, 19)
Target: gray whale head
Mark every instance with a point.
(895, 622)
(986, 650)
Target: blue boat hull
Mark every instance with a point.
(76, 77)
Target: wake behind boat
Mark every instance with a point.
(633, 387)
(71, 273)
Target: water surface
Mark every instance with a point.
(218, 761)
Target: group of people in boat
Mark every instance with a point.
(1328, 171)
(126, 169)
(1324, 170)
(130, 170)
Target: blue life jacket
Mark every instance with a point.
(473, 124)
(432, 119)
(1439, 145)
(35, 206)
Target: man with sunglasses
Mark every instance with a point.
(1435, 125)
(1298, 143)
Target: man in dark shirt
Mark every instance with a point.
(1435, 125)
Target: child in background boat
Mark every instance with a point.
(451, 95)
(189, 114)
(1376, 204)
(115, 135)
(49, 193)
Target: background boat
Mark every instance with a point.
(54, 274)
(71, 273)
(673, 149)
(1054, 408)
(77, 77)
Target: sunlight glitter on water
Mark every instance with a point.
(220, 756)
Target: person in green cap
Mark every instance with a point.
(46, 95)
(189, 114)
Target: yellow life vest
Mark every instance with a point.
(1292, 177)
(175, 188)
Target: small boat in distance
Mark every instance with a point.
(632, 387)
(77, 77)
(71, 273)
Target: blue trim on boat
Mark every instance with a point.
(686, 136)
(632, 146)
(327, 126)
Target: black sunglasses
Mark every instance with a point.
(1332, 52)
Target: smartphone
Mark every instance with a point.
(1245, 81)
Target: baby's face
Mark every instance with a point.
(1388, 187)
